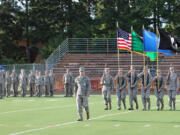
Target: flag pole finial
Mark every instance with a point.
(131, 28)
(117, 24)
(143, 27)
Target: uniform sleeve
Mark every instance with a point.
(117, 84)
(88, 86)
(162, 86)
(150, 81)
(75, 86)
(112, 84)
(136, 82)
(168, 78)
(177, 83)
(125, 83)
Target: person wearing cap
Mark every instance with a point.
(23, 81)
(132, 87)
(72, 85)
(47, 83)
(7, 84)
(52, 82)
(2, 81)
(121, 84)
(15, 82)
(82, 90)
(67, 79)
(31, 81)
(145, 76)
(107, 87)
(159, 90)
(39, 84)
(173, 86)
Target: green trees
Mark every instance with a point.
(52, 21)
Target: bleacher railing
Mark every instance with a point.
(57, 55)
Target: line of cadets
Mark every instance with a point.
(36, 82)
(131, 79)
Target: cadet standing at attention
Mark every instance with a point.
(107, 83)
(47, 83)
(145, 89)
(15, 82)
(23, 82)
(7, 84)
(159, 90)
(31, 79)
(132, 87)
(72, 85)
(52, 82)
(67, 79)
(39, 84)
(82, 91)
(2, 81)
(173, 86)
(121, 88)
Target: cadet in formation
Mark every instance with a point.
(72, 85)
(159, 90)
(31, 79)
(15, 82)
(132, 87)
(7, 84)
(121, 84)
(107, 87)
(82, 91)
(23, 80)
(39, 84)
(145, 88)
(173, 85)
(47, 83)
(67, 79)
(2, 80)
(52, 82)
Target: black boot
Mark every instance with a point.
(162, 104)
(106, 108)
(80, 118)
(174, 104)
(149, 104)
(110, 106)
(124, 103)
(87, 115)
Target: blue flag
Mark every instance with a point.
(151, 43)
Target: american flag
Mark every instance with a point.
(123, 40)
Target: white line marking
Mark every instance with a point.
(117, 125)
(176, 126)
(64, 124)
(147, 125)
(87, 125)
(36, 109)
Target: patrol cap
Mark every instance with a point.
(67, 70)
(120, 70)
(81, 69)
(106, 70)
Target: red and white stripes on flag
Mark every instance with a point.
(123, 40)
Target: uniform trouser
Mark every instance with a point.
(7, 89)
(145, 95)
(121, 96)
(107, 96)
(82, 101)
(38, 90)
(172, 97)
(71, 90)
(15, 89)
(67, 88)
(47, 87)
(1, 90)
(132, 97)
(159, 100)
(51, 89)
(31, 89)
(23, 90)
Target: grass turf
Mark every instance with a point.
(58, 115)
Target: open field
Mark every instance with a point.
(58, 115)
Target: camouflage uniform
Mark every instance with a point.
(15, 83)
(82, 90)
(2, 82)
(31, 79)
(8, 84)
(67, 78)
(23, 80)
(52, 83)
(121, 90)
(39, 84)
(47, 84)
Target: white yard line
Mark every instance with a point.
(46, 108)
(65, 124)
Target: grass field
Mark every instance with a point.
(58, 115)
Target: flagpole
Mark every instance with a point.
(117, 25)
(157, 69)
(131, 56)
(144, 60)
